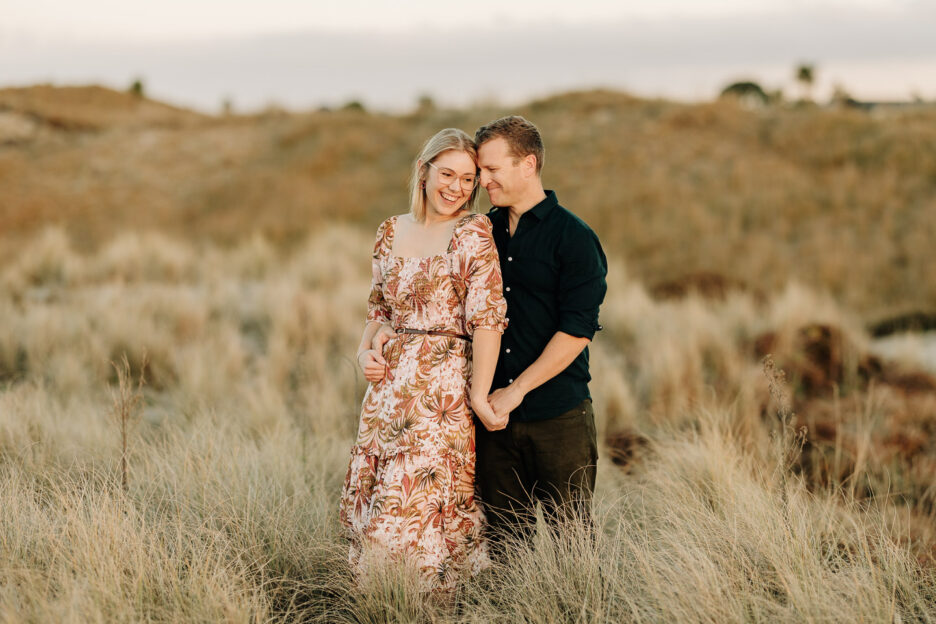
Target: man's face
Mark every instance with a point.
(501, 173)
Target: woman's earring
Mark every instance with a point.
(422, 185)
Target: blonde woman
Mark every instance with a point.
(409, 489)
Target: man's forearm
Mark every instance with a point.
(560, 351)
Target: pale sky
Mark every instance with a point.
(302, 53)
(194, 19)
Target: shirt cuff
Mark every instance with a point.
(580, 326)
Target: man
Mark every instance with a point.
(554, 281)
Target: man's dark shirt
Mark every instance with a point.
(554, 280)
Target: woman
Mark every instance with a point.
(409, 490)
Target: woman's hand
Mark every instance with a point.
(485, 413)
(373, 365)
(383, 335)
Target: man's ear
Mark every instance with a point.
(529, 165)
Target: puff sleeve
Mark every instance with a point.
(377, 307)
(485, 306)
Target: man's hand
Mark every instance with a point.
(383, 335)
(485, 413)
(505, 400)
(373, 365)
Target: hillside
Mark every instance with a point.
(840, 200)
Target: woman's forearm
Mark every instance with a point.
(485, 349)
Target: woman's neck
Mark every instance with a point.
(431, 220)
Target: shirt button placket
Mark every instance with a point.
(507, 290)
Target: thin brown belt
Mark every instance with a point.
(433, 332)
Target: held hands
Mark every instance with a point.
(505, 400)
(494, 410)
(485, 413)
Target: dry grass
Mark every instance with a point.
(251, 404)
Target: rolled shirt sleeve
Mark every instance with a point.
(582, 284)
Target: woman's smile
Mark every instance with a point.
(445, 195)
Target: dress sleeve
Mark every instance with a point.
(485, 306)
(377, 307)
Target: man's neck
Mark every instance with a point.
(527, 202)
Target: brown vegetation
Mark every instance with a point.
(228, 261)
(252, 400)
(705, 284)
(836, 199)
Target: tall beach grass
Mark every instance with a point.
(238, 450)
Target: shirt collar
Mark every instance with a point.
(540, 210)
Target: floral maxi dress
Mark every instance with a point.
(410, 488)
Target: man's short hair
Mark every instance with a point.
(523, 138)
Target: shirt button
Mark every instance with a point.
(507, 351)
(507, 289)
(510, 381)
(507, 318)
(509, 258)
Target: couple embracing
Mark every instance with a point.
(476, 352)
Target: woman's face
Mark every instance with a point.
(446, 200)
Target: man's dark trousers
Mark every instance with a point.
(551, 461)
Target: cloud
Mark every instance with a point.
(685, 57)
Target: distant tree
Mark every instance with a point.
(227, 106)
(841, 96)
(747, 92)
(425, 104)
(354, 105)
(136, 88)
(806, 76)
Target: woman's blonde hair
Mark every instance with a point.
(442, 141)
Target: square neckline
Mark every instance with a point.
(447, 251)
